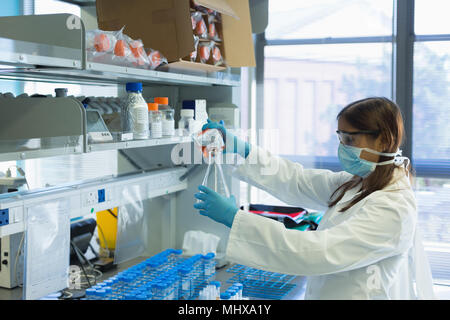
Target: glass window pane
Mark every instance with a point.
(306, 86)
(431, 137)
(431, 17)
(433, 199)
(297, 19)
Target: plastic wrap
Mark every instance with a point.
(193, 55)
(47, 248)
(139, 57)
(132, 231)
(217, 55)
(204, 49)
(200, 29)
(122, 52)
(212, 31)
(155, 59)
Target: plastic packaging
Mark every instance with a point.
(168, 121)
(138, 53)
(204, 49)
(155, 59)
(132, 230)
(200, 28)
(135, 112)
(100, 41)
(122, 51)
(212, 31)
(193, 55)
(186, 124)
(155, 120)
(217, 55)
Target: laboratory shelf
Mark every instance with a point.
(105, 74)
(51, 48)
(137, 144)
(83, 196)
(39, 153)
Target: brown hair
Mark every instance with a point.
(373, 114)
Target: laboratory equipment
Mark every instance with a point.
(96, 127)
(135, 112)
(61, 92)
(167, 275)
(260, 284)
(168, 120)
(11, 260)
(199, 107)
(155, 120)
(186, 124)
(212, 145)
(227, 112)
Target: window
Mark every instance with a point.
(431, 132)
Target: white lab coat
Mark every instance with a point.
(371, 251)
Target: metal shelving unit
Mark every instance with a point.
(136, 144)
(60, 56)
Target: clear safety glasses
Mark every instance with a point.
(348, 138)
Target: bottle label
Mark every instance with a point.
(156, 129)
(168, 127)
(140, 121)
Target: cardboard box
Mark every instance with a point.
(165, 25)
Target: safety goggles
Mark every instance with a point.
(348, 138)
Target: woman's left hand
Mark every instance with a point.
(216, 206)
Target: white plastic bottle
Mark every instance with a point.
(168, 121)
(186, 123)
(137, 111)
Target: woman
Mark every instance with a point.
(367, 245)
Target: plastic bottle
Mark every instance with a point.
(185, 282)
(135, 112)
(90, 294)
(217, 286)
(101, 294)
(155, 121)
(225, 296)
(168, 121)
(187, 123)
(61, 92)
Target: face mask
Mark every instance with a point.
(351, 162)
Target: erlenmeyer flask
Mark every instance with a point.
(211, 143)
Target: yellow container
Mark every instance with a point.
(107, 228)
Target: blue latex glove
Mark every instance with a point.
(216, 206)
(239, 146)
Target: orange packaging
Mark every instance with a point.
(119, 49)
(102, 42)
(217, 56)
(204, 51)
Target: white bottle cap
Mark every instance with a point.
(187, 113)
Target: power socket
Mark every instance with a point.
(4, 217)
(101, 195)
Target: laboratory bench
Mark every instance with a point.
(297, 293)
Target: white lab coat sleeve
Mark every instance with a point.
(289, 181)
(382, 228)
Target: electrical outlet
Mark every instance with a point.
(101, 195)
(90, 198)
(4, 217)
